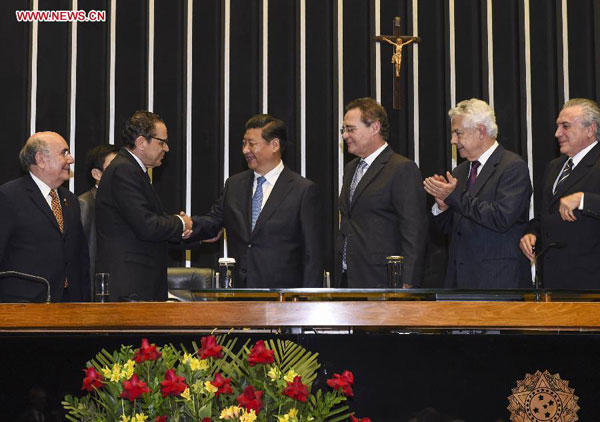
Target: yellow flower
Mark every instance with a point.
(127, 371)
(113, 374)
(124, 418)
(186, 358)
(289, 377)
(139, 417)
(210, 388)
(197, 386)
(248, 416)
(291, 416)
(274, 373)
(195, 364)
(186, 394)
(230, 412)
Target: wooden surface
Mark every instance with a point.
(134, 317)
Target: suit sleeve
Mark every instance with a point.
(591, 204)
(84, 260)
(512, 198)
(310, 222)
(408, 198)
(207, 226)
(137, 209)
(86, 221)
(7, 224)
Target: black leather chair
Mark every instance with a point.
(183, 280)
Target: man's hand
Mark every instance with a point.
(187, 232)
(214, 239)
(568, 204)
(440, 188)
(527, 244)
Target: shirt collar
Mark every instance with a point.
(272, 175)
(370, 158)
(137, 159)
(44, 188)
(487, 154)
(579, 156)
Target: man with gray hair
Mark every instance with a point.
(41, 232)
(568, 226)
(483, 204)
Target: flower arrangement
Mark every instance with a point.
(219, 381)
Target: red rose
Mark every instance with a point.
(260, 354)
(134, 388)
(173, 385)
(296, 390)
(210, 349)
(250, 399)
(222, 384)
(205, 419)
(342, 382)
(146, 352)
(92, 379)
(353, 419)
(161, 419)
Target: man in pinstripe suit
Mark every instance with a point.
(483, 204)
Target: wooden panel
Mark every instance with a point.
(131, 317)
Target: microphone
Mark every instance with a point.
(28, 277)
(554, 245)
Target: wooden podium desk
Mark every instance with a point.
(317, 308)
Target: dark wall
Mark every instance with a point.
(430, 99)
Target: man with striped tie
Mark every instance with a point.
(483, 204)
(270, 214)
(568, 227)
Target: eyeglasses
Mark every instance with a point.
(161, 141)
(351, 129)
(65, 153)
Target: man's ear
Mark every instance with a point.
(275, 144)
(40, 159)
(482, 131)
(376, 127)
(96, 174)
(140, 142)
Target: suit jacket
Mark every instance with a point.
(133, 231)
(386, 217)
(486, 223)
(285, 248)
(576, 264)
(87, 203)
(31, 242)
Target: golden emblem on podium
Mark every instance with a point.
(543, 397)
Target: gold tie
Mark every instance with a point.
(57, 210)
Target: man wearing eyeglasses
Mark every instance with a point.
(382, 204)
(132, 227)
(40, 229)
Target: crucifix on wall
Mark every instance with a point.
(399, 42)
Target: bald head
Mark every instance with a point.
(47, 156)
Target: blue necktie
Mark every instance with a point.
(257, 200)
(358, 174)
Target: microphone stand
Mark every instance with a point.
(538, 284)
(29, 277)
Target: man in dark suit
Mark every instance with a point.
(40, 229)
(382, 204)
(132, 227)
(98, 160)
(483, 204)
(568, 226)
(270, 214)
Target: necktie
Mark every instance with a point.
(566, 172)
(473, 175)
(358, 174)
(57, 210)
(257, 200)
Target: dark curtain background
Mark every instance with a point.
(322, 84)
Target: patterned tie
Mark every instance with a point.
(57, 210)
(257, 200)
(566, 172)
(473, 175)
(358, 174)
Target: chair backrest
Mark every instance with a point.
(183, 280)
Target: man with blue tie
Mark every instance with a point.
(568, 226)
(270, 214)
(483, 204)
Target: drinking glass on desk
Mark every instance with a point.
(394, 271)
(101, 287)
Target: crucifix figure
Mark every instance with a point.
(398, 41)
